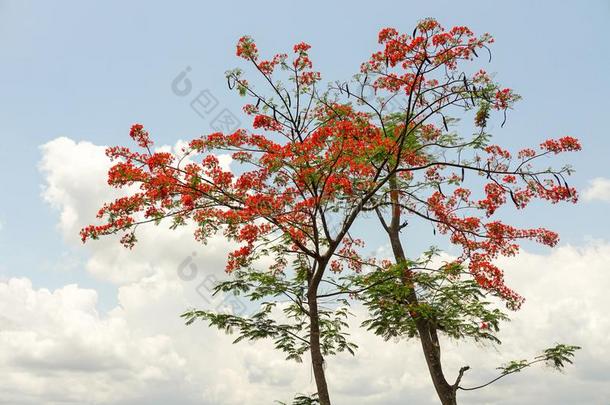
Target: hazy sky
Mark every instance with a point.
(86, 71)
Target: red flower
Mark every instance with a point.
(327, 158)
(301, 47)
(246, 48)
(565, 144)
(386, 34)
(138, 134)
(266, 122)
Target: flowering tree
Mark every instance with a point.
(321, 159)
(431, 180)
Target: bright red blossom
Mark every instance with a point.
(139, 135)
(301, 47)
(565, 144)
(265, 122)
(292, 175)
(246, 48)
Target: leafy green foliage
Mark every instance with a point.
(273, 292)
(447, 298)
(514, 366)
(557, 356)
(301, 399)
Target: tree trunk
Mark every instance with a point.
(317, 361)
(429, 342)
(427, 331)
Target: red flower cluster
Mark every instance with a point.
(330, 157)
(497, 152)
(290, 178)
(246, 48)
(565, 144)
(266, 122)
(138, 134)
(301, 47)
(504, 98)
(416, 56)
(482, 242)
(268, 66)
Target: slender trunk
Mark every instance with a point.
(317, 361)
(427, 336)
(427, 331)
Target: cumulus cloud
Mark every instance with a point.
(58, 348)
(141, 351)
(598, 189)
(166, 273)
(75, 183)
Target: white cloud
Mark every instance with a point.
(141, 351)
(598, 189)
(56, 347)
(75, 183)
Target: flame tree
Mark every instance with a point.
(318, 160)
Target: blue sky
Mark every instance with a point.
(88, 71)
